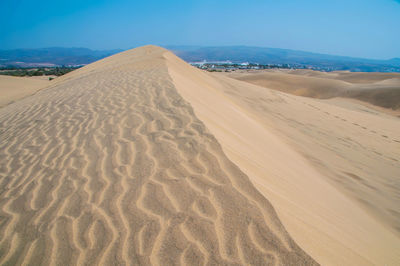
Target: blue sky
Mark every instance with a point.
(360, 28)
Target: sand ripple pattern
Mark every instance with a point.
(111, 167)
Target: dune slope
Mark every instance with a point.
(380, 89)
(331, 172)
(109, 165)
(15, 88)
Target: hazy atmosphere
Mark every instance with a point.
(357, 28)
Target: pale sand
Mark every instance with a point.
(331, 172)
(15, 88)
(109, 165)
(379, 89)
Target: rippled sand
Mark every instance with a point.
(109, 165)
(141, 159)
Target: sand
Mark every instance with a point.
(141, 159)
(15, 88)
(377, 89)
(330, 170)
(110, 165)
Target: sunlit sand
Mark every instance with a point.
(141, 159)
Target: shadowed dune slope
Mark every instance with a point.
(380, 89)
(109, 165)
(330, 169)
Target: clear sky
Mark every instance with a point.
(361, 28)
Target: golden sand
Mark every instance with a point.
(141, 159)
(109, 165)
(330, 170)
(15, 88)
(376, 89)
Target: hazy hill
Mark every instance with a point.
(52, 56)
(284, 56)
(79, 56)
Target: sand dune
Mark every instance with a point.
(109, 165)
(15, 88)
(141, 159)
(351, 77)
(380, 89)
(329, 169)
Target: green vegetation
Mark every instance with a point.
(41, 71)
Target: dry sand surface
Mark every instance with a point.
(110, 165)
(330, 168)
(379, 89)
(141, 159)
(15, 88)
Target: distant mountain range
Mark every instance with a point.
(54, 56)
(237, 54)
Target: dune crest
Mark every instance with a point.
(109, 165)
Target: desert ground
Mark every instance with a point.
(376, 89)
(141, 159)
(15, 88)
